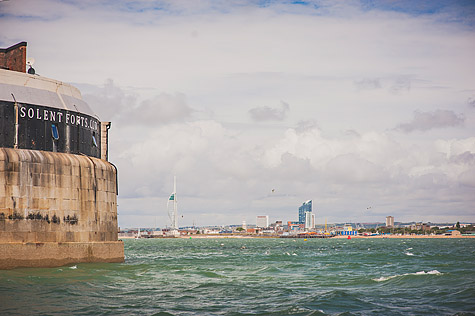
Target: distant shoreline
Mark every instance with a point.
(337, 237)
(407, 236)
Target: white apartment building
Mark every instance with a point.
(389, 221)
(309, 220)
(262, 221)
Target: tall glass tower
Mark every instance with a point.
(306, 207)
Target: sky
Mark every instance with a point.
(365, 107)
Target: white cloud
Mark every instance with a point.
(471, 102)
(400, 85)
(219, 171)
(108, 101)
(186, 73)
(424, 121)
(350, 168)
(368, 83)
(163, 108)
(266, 113)
(113, 103)
(467, 178)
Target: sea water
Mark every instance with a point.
(244, 276)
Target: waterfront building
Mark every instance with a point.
(292, 226)
(420, 226)
(389, 221)
(277, 226)
(262, 221)
(347, 230)
(306, 207)
(309, 220)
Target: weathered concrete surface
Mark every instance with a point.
(56, 198)
(52, 254)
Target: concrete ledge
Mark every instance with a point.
(54, 254)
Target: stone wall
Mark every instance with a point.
(53, 254)
(58, 198)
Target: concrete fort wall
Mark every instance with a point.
(57, 208)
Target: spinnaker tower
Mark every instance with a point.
(172, 206)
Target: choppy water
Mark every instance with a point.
(256, 277)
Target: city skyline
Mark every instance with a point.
(367, 108)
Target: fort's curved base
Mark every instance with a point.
(54, 254)
(56, 209)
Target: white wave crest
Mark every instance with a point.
(381, 279)
(430, 272)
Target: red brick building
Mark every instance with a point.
(14, 57)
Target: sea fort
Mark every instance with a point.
(58, 191)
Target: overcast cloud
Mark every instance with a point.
(424, 121)
(266, 113)
(471, 102)
(351, 104)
